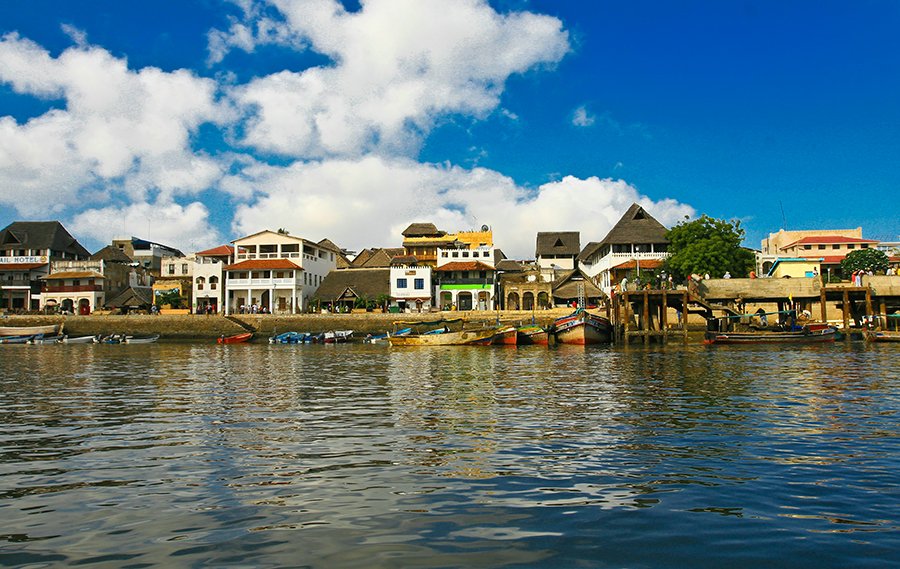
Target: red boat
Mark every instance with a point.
(236, 339)
(582, 328)
(505, 336)
(532, 334)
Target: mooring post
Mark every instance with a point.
(822, 306)
(626, 320)
(845, 297)
(646, 326)
(665, 317)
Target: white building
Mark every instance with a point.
(410, 285)
(636, 243)
(465, 278)
(275, 272)
(208, 274)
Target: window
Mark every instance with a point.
(851, 246)
(76, 282)
(401, 283)
(444, 254)
(172, 269)
(200, 281)
(864, 246)
(456, 254)
(465, 254)
(835, 246)
(821, 247)
(807, 247)
(419, 284)
(482, 275)
(213, 281)
(184, 269)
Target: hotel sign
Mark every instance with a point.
(24, 260)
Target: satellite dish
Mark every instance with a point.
(485, 228)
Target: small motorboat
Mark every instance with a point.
(289, 338)
(141, 339)
(337, 336)
(236, 339)
(77, 340)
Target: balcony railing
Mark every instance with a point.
(263, 283)
(253, 256)
(74, 288)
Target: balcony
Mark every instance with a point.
(254, 256)
(73, 288)
(263, 283)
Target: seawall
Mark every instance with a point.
(187, 327)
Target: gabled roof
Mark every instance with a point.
(827, 240)
(636, 226)
(510, 266)
(132, 298)
(111, 254)
(422, 230)
(264, 265)
(220, 251)
(465, 266)
(558, 243)
(589, 250)
(42, 235)
(566, 286)
(329, 245)
(355, 282)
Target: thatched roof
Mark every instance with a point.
(566, 286)
(636, 226)
(111, 254)
(353, 282)
(132, 298)
(422, 230)
(558, 243)
(49, 235)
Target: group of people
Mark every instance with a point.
(253, 309)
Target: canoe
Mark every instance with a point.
(48, 330)
(337, 336)
(582, 328)
(236, 339)
(804, 336)
(464, 337)
(532, 334)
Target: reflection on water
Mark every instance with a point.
(365, 456)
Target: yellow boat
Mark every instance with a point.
(461, 338)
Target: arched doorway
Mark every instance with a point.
(484, 300)
(446, 300)
(528, 301)
(766, 267)
(464, 301)
(543, 300)
(84, 307)
(512, 301)
(68, 305)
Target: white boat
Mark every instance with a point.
(77, 340)
(338, 336)
(48, 330)
(141, 339)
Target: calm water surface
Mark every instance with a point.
(190, 455)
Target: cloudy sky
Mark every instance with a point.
(195, 122)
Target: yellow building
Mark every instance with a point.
(795, 268)
(422, 240)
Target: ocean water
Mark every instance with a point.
(196, 455)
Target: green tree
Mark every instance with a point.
(865, 260)
(708, 245)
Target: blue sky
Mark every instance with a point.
(194, 123)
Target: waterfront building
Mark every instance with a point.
(636, 243)
(346, 289)
(522, 286)
(276, 272)
(575, 287)
(556, 251)
(465, 277)
(74, 287)
(410, 284)
(376, 257)
(175, 276)
(26, 250)
(208, 290)
(795, 267)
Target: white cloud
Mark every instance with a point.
(581, 117)
(120, 129)
(184, 227)
(368, 202)
(396, 68)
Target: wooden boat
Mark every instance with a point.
(532, 334)
(374, 338)
(803, 336)
(582, 328)
(141, 339)
(289, 338)
(48, 330)
(236, 339)
(461, 338)
(882, 336)
(505, 336)
(110, 339)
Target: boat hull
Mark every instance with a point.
(582, 328)
(883, 336)
(528, 335)
(236, 339)
(49, 330)
(505, 337)
(802, 337)
(465, 337)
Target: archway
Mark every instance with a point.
(464, 301)
(543, 300)
(484, 300)
(512, 301)
(84, 307)
(67, 305)
(528, 301)
(446, 300)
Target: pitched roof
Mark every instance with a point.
(220, 251)
(558, 243)
(589, 250)
(404, 260)
(42, 235)
(355, 282)
(827, 240)
(509, 265)
(263, 265)
(329, 244)
(422, 230)
(74, 275)
(566, 286)
(636, 226)
(132, 298)
(465, 266)
(111, 254)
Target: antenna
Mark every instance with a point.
(783, 218)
